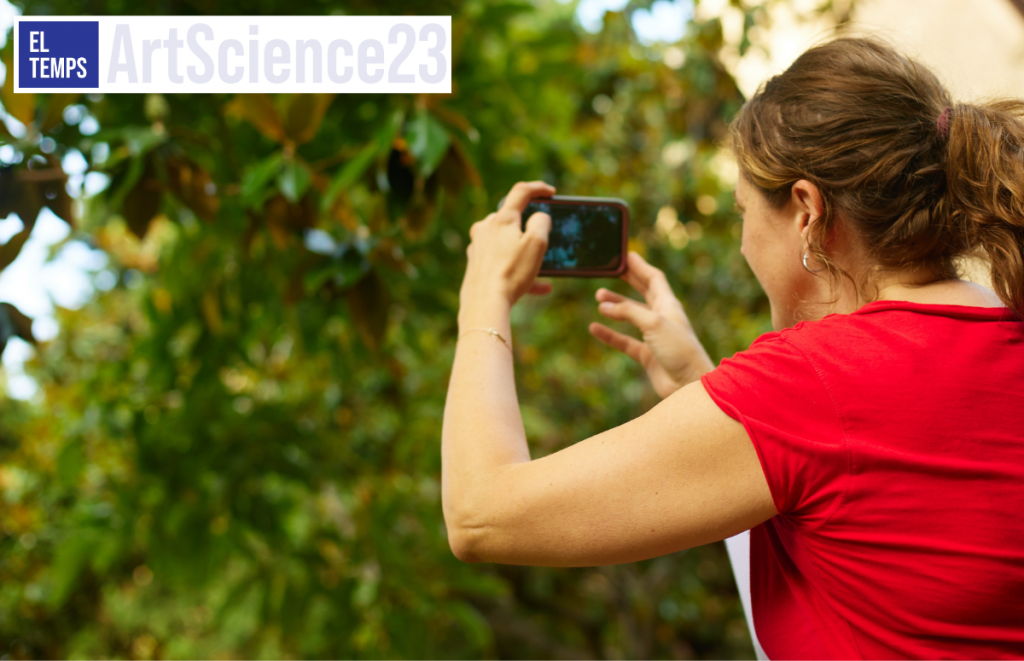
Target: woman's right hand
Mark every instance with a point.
(670, 350)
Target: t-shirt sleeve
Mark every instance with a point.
(774, 390)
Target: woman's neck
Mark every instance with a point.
(915, 286)
(943, 292)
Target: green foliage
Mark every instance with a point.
(237, 450)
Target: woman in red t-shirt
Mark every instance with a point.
(873, 444)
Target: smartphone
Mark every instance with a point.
(589, 235)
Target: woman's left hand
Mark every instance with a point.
(504, 259)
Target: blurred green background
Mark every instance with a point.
(234, 450)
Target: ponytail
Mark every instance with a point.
(985, 183)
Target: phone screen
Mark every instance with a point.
(584, 237)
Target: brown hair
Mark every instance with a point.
(860, 121)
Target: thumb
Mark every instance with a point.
(537, 229)
(539, 225)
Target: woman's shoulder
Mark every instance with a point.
(882, 318)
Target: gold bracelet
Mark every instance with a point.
(489, 331)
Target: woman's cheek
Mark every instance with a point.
(752, 248)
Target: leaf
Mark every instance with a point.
(357, 167)
(401, 179)
(256, 177)
(452, 117)
(10, 250)
(55, 110)
(142, 203)
(386, 135)
(305, 114)
(456, 170)
(14, 323)
(314, 280)
(26, 191)
(474, 625)
(52, 188)
(20, 105)
(211, 312)
(193, 186)
(276, 214)
(258, 110)
(428, 141)
(8, 189)
(132, 142)
(352, 171)
(126, 179)
(417, 216)
(369, 302)
(70, 559)
(293, 182)
(70, 462)
(285, 219)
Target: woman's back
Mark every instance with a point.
(893, 442)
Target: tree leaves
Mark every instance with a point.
(25, 191)
(294, 180)
(10, 250)
(193, 185)
(20, 105)
(55, 106)
(357, 167)
(286, 219)
(14, 323)
(142, 202)
(369, 302)
(428, 142)
(347, 266)
(256, 177)
(258, 110)
(302, 115)
(305, 114)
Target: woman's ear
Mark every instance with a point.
(807, 204)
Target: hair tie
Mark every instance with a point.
(943, 123)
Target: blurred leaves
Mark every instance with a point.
(21, 106)
(258, 110)
(13, 323)
(369, 300)
(428, 142)
(236, 450)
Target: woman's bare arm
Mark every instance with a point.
(682, 475)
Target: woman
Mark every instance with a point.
(874, 443)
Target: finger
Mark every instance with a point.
(539, 288)
(639, 315)
(523, 192)
(616, 340)
(646, 279)
(607, 296)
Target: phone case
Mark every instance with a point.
(589, 273)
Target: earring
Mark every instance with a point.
(809, 269)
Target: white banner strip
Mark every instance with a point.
(234, 54)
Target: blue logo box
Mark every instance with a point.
(58, 54)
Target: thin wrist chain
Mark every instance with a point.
(489, 331)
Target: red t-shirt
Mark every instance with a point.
(892, 440)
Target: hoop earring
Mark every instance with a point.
(809, 269)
